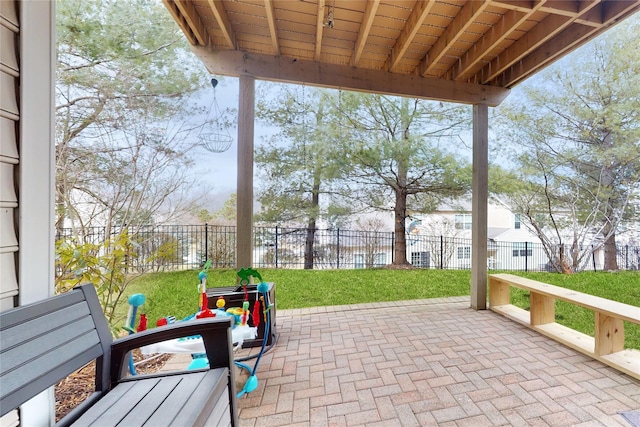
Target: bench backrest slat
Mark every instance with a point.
(44, 342)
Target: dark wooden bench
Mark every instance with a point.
(44, 342)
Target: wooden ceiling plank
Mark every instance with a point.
(223, 21)
(319, 28)
(182, 23)
(567, 41)
(469, 12)
(365, 27)
(278, 68)
(408, 33)
(268, 4)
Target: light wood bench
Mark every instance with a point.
(608, 343)
(44, 342)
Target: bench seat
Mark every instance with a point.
(196, 398)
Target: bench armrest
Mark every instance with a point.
(215, 332)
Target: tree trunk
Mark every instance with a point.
(308, 245)
(400, 213)
(610, 258)
(311, 226)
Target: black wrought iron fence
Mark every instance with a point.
(176, 247)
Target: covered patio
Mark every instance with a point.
(426, 363)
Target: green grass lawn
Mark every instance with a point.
(175, 293)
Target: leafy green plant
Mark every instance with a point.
(103, 264)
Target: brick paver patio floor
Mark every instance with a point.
(427, 363)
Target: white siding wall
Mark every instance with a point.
(9, 116)
(27, 121)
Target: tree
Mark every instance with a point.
(229, 209)
(300, 164)
(372, 240)
(392, 151)
(578, 139)
(123, 74)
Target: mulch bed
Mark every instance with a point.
(74, 389)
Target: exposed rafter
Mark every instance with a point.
(565, 42)
(489, 41)
(319, 29)
(220, 13)
(460, 23)
(268, 4)
(534, 39)
(365, 27)
(408, 33)
(179, 17)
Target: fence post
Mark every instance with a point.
(593, 258)
(526, 256)
(626, 257)
(393, 246)
(276, 248)
(441, 252)
(206, 242)
(338, 248)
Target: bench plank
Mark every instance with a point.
(613, 308)
(183, 400)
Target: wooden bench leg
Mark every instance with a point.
(609, 334)
(543, 309)
(499, 292)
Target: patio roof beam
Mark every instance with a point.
(272, 68)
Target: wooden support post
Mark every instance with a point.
(244, 205)
(480, 194)
(543, 309)
(609, 334)
(499, 292)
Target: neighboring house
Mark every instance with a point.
(510, 243)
